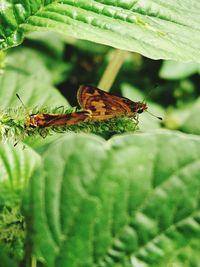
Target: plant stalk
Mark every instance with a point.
(33, 261)
(112, 69)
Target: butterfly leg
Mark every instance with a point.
(89, 112)
(136, 118)
(60, 107)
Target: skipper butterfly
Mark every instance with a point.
(103, 105)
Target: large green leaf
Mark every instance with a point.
(27, 75)
(188, 256)
(156, 29)
(130, 201)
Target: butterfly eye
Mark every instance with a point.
(33, 126)
(140, 111)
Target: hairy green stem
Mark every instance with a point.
(14, 125)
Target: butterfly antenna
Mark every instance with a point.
(150, 91)
(17, 141)
(22, 103)
(160, 118)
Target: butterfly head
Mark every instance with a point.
(31, 121)
(140, 107)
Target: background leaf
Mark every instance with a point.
(173, 70)
(51, 47)
(155, 29)
(26, 74)
(131, 201)
(191, 124)
(185, 119)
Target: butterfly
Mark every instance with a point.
(103, 105)
(43, 120)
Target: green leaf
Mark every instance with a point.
(172, 70)
(191, 124)
(27, 75)
(185, 119)
(6, 261)
(50, 47)
(17, 165)
(130, 201)
(156, 29)
(188, 256)
(2, 61)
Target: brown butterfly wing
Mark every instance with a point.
(103, 105)
(66, 119)
(43, 120)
